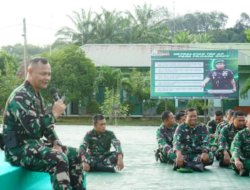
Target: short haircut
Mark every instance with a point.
(228, 110)
(179, 115)
(97, 118)
(238, 113)
(189, 110)
(35, 60)
(218, 113)
(181, 111)
(165, 115)
(230, 114)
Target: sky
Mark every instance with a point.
(44, 18)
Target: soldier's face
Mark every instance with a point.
(220, 66)
(218, 119)
(239, 122)
(170, 121)
(182, 119)
(100, 127)
(192, 118)
(40, 76)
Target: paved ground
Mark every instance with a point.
(143, 172)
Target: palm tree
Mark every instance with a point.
(184, 37)
(144, 29)
(204, 38)
(84, 31)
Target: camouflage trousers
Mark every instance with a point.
(64, 168)
(213, 145)
(193, 157)
(167, 157)
(109, 158)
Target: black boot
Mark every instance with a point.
(196, 166)
(78, 188)
(221, 164)
(244, 172)
(175, 166)
(99, 167)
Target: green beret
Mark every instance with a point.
(220, 61)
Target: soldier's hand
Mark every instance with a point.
(212, 136)
(203, 85)
(58, 148)
(85, 166)
(234, 89)
(204, 158)
(238, 165)
(226, 160)
(58, 108)
(179, 161)
(120, 164)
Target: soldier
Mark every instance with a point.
(240, 150)
(95, 148)
(191, 143)
(180, 117)
(221, 78)
(212, 125)
(25, 122)
(227, 135)
(164, 137)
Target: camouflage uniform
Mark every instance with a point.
(240, 148)
(25, 117)
(211, 126)
(227, 135)
(96, 148)
(164, 137)
(192, 142)
(220, 126)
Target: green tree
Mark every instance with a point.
(130, 105)
(247, 32)
(72, 73)
(184, 37)
(244, 90)
(93, 107)
(161, 107)
(9, 60)
(8, 81)
(112, 106)
(83, 32)
(204, 38)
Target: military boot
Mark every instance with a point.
(175, 167)
(196, 166)
(79, 188)
(99, 167)
(244, 172)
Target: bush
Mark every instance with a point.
(161, 107)
(93, 107)
(197, 105)
(131, 106)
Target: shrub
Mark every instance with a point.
(131, 106)
(161, 107)
(93, 107)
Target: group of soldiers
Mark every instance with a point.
(187, 143)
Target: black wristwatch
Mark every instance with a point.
(59, 143)
(85, 160)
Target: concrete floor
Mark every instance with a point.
(142, 171)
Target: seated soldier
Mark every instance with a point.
(212, 125)
(191, 144)
(164, 137)
(240, 150)
(227, 135)
(180, 117)
(229, 115)
(95, 148)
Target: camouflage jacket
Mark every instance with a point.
(211, 126)
(240, 147)
(220, 126)
(164, 137)
(227, 135)
(97, 145)
(25, 113)
(191, 140)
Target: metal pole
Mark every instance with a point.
(25, 48)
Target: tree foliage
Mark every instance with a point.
(72, 74)
(161, 107)
(93, 107)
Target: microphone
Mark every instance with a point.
(54, 93)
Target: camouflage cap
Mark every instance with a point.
(220, 61)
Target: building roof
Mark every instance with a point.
(138, 55)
